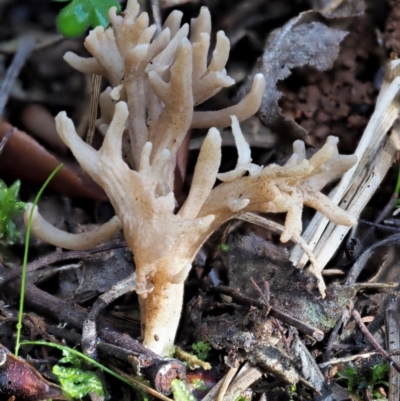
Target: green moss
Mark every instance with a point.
(201, 349)
(181, 391)
(10, 207)
(75, 383)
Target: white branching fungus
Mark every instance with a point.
(158, 82)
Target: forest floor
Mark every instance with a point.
(327, 84)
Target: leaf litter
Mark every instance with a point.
(305, 46)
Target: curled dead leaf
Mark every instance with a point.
(25, 159)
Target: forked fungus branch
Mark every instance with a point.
(156, 81)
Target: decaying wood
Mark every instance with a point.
(246, 376)
(75, 316)
(375, 156)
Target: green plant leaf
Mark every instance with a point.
(77, 16)
(379, 371)
(356, 381)
(349, 374)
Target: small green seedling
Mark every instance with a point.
(78, 15)
(25, 260)
(356, 381)
(10, 207)
(201, 349)
(76, 383)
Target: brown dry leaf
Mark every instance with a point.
(303, 40)
(25, 159)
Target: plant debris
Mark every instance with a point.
(304, 40)
(20, 380)
(254, 312)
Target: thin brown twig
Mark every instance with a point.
(282, 333)
(264, 296)
(159, 371)
(217, 249)
(372, 340)
(58, 257)
(333, 336)
(383, 214)
(283, 317)
(137, 383)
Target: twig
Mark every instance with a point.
(334, 334)
(284, 339)
(94, 103)
(6, 138)
(191, 359)
(89, 330)
(58, 257)
(227, 380)
(50, 40)
(265, 296)
(392, 327)
(358, 266)
(156, 368)
(372, 340)
(141, 385)
(350, 358)
(277, 228)
(387, 209)
(155, 10)
(383, 213)
(303, 327)
(25, 48)
(246, 376)
(210, 260)
(380, 226)
(238, 297)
